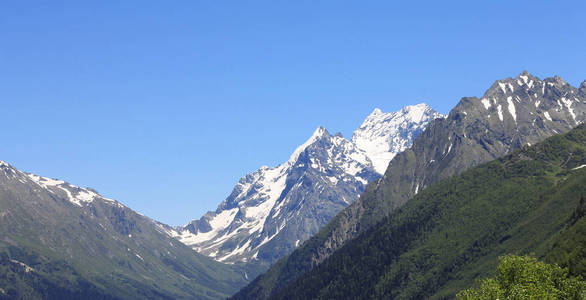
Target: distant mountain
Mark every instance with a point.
(450, 234)
(514, 112)
(383, 135)
(273, 210)
(60, 241)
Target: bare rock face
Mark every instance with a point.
(274, 210)
(513, 112)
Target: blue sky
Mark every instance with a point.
(165, 105)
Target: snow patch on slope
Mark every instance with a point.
(568, 104)
(75, 194)
(72, 193)
(486, 103)
(222, 220)
(512, 108)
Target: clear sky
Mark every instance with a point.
(164, 105)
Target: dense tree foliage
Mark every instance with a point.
(569, 249)
(524, 277)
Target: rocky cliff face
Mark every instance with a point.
(273, 210)
(512, 113)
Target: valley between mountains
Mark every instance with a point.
(416, 204)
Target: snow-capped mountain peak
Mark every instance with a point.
(376, 111)
(272, 210)
(320, 132)
(383, 135)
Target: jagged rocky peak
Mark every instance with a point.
(272, 210)
(526, 82)
(375, 112)
(319, 133)
(512, 113)
(296, 198)
(526, 98)
(383, 135)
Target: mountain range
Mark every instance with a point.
(63, 241)
(272, 210)
(415, 205)
(513, 112)
(450, 234)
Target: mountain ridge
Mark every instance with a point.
(450, 234)
(58, 240)
(512, 113)
(293, 200)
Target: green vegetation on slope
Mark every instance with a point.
(569, 249)
(46, 280)
(51, 248)
(451, 233)
(527, 278)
